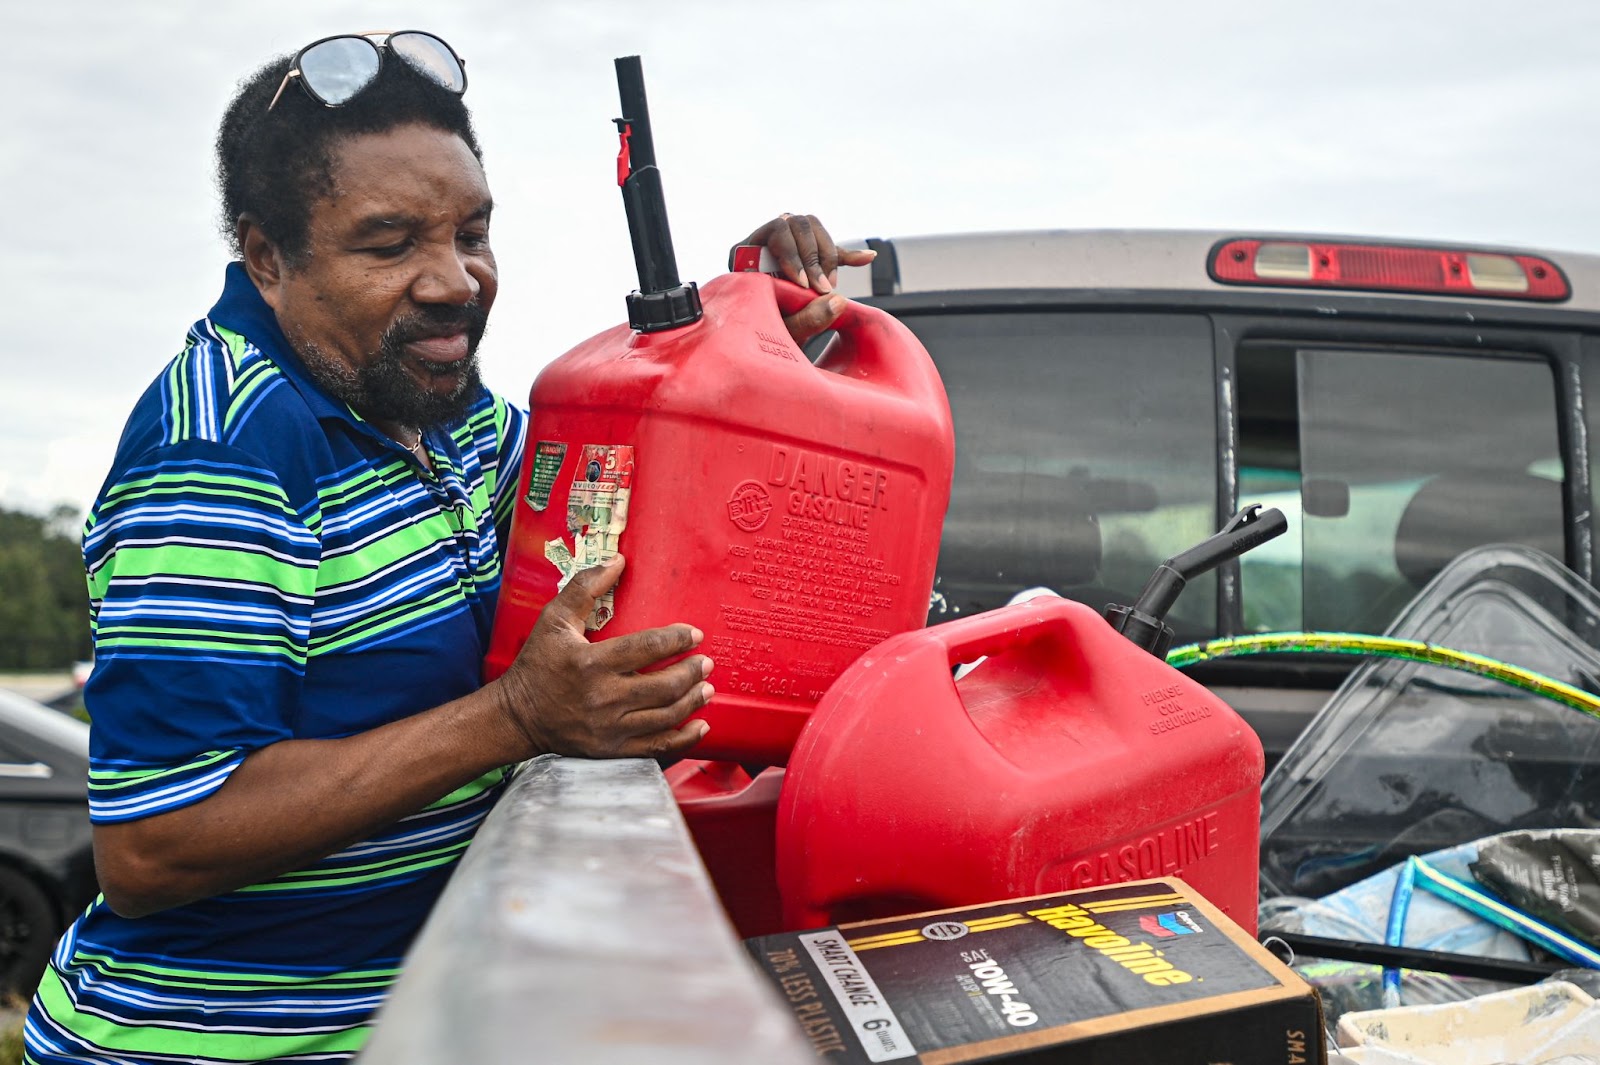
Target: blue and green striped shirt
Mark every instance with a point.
(265, 565)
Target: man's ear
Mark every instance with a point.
(263, 259)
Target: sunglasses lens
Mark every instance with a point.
(432, 57)
(338, 69)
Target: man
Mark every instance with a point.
(293, 567)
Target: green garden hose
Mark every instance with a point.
(1355, 643)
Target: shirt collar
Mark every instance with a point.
(241, 309)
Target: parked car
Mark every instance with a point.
(1117, 395)
(46, 853)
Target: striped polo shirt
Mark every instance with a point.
(265, 565)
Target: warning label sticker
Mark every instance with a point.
(547, 458)
(597, 514)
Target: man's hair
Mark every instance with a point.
(275, 165)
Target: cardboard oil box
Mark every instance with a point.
(1141, 973)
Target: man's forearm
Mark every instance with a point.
(297, 801)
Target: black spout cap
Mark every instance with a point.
(1145, 631)
(653, 312)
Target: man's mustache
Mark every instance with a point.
(437, 321)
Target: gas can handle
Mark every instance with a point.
(872, 345)
(1046, 620)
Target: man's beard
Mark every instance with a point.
(386, 389)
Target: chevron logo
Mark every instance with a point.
(1167, 925)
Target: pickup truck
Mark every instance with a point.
(1117, 397)
(1118, 394)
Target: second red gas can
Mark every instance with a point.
(789, 510)
(1069, 758)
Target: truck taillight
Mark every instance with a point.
(1387, 268)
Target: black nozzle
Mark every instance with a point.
(662, 301)
(1145, 622)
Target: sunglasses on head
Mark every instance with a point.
(334, 70)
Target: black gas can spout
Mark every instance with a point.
(662, 301)
(1144, 623)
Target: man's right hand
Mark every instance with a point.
(566, 695)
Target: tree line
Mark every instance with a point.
(44, 602)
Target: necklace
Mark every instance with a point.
(415, 447)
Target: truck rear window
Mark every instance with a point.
(1086, 453)
(1388, 464)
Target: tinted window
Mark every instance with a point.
(1085, 455)
(1388, 465)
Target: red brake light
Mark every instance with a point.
(1388, 268)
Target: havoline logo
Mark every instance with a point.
(1167, 925)
(1140, 957)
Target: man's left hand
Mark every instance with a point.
(807, 255)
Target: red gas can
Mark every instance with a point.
(790, 511)
(1069, 758)
(732, 817)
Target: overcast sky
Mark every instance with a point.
(1466, 121)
